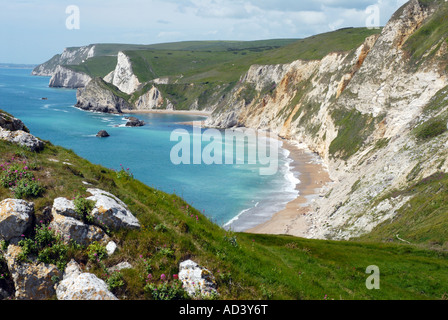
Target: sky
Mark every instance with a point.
(31, 32)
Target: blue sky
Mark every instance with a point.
(33, 31)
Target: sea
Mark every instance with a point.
(234, 196)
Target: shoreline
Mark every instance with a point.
(185, 112)
(292, 219)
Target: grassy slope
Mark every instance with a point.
(218, 61)
(228, 65)
(246, 266)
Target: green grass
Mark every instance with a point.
(354, 128)
(227, 61)
(426, 41)
(424, 219)
(431, 128)
(246, 266)
(96, 66)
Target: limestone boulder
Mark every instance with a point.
(111, 212)
(196, 279)
(73, 229)
(32, 280)
(78, 285)
(22, 138)
(16, 217)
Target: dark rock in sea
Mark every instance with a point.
(134, 122)
(103, 134)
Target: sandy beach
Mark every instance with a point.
(313, 177)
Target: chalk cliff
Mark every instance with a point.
(66, 78)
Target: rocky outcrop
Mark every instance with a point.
(16, 217)
(134, 122)
(150, 100)
(70, 56)
(76, 230)
(102, 134)
(197, 280)
(78, 285)
(98, 97)
(32, 280)
(111, 212)
(375, 92)
(123, 76)
(10, 123)
(22, 138)
(13, 130)
(64, 77)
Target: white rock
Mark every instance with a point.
(21, 138)
(73, 229)
(111, 247)
(111, 211)
(32, 280)
(123, 77)
(65, 207)
(196, 279)
(82, 286)
(66, 78)
(120, 266)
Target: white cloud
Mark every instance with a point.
(151, 21)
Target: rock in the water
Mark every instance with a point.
(22, 138)
(111, 211)
(103, 134)
(134, 122)
(15, 218)
(82, 286)
(196, 279)
(32, 280)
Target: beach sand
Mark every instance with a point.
(313, 177)
(186, 112)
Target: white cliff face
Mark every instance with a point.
(123, 77)
(70, 56)
(375, 81)
(150, 100)
(66, 78)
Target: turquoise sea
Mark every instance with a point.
(222, 192)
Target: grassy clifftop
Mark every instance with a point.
(246, 266)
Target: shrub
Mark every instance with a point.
(115, 280)
(26, 189)
(96, 251)
(166, 290)
(17, 176)
(83, 208)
